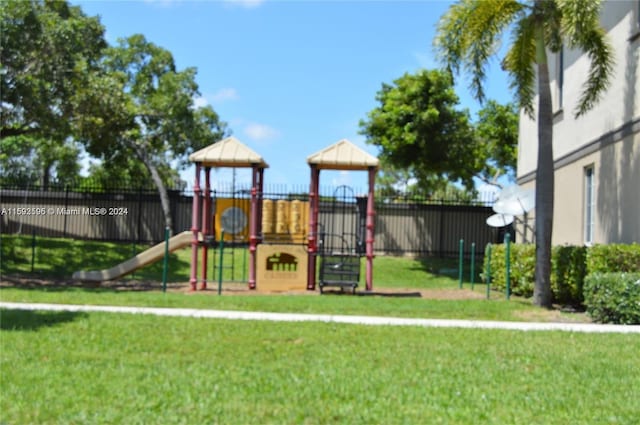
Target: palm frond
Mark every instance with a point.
(519, 63)
(602, 60)
(469, 34)
(552, 26)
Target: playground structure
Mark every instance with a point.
(340, 261)
(225, 153)
(278, 258)
(283, 247)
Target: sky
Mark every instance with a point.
(291, 77)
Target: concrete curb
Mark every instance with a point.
(329, 318)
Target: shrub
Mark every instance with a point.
(568, 270)
(613, 258)
(613, 297)
(523, 265)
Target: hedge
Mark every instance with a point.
(568, 270)
(523, 264)
(613, 258)
(569, 267)
(613, 297)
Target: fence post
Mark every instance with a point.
(165, 265)
(33, 249)
(460, 262)
(134, 249)
(66, 206)
(473, 264)
(507, 241)
(488, 256)
(139, 236)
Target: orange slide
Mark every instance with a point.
(155, 253)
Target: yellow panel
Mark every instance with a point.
(232, 215)
(285, 221)
(281, 267)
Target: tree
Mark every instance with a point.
(398, 184)
(146, 111)
(429, 146)
(469, 34)
(48, 49)
(419, 129)
(497, 132)
(32, 161)
(126, 171)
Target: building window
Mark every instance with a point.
(589, 205)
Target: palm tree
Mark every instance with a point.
(469, 34)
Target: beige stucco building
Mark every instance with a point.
(597, 156)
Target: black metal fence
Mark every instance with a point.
(402, 226)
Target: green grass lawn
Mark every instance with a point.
(80, 368)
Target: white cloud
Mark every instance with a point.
(260, 132)
(245, 4)
(225, 94)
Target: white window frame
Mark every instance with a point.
(589, 204)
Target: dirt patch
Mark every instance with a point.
(555, 315)
(30, 282)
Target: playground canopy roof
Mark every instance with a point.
(342, 155)
(229, 152)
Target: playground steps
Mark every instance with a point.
(340, 270)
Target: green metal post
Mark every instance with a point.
(220, 264)
(460, 262)
(488, 270)
(473, 264)
(507, 241)
(33, 249)
(165, 264)
(244, 264)
(133, 254)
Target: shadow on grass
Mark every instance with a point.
(449, 267)
(29, 283)
(28, 320)
(372, 293)
(59, 258)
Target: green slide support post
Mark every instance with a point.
(165, 264)
(460, 262)
(507, 241)
(133, 254)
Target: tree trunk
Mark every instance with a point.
(141, 153)
(544, 181)
(45, 179)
